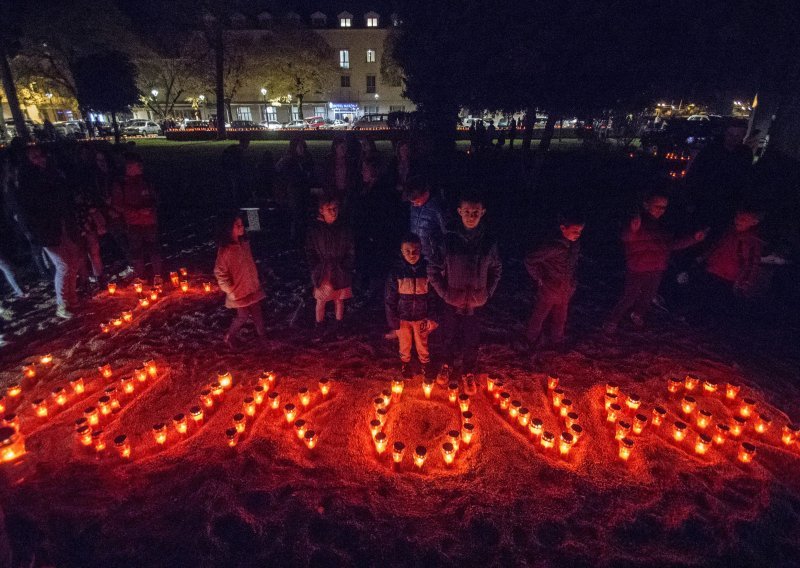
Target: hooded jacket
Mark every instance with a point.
(427, 222)
(736, 257)
(331, 250)
(649, 248)
(237, 275)
(409, 296)
(553, 266)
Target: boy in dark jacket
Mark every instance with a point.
(733, 262)
(648, 246)
(552, 266)
(409, 304)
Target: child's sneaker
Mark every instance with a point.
(443, 378)
(425, 370)
(405, 370)
(63, 313)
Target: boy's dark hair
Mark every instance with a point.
(654, 193)
(133, 158)
(327, 199)
(571, 218)
(411, 238)
(471, 196)
(224, 227)
(417, 186)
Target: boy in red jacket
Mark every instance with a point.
(733, 261)
(648, 246)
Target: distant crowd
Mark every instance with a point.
(371, 227)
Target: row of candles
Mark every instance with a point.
(519, 414)
(455, 439)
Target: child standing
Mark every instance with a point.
(331, 256)
(552, 266)
(648, 246)
(237, 276)
(410, 303)
(732, 264)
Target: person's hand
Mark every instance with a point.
(636, 223)
(700, 236)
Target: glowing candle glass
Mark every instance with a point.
(216, 389)
(267, 379)
(11, 420)
(225, 379)
(84, 435)
(789, 434)
(310, 439)
(116, 322)
(679, 431)
(747, 407)
(674, 384)
(612, 388)
(448, 453)
(40, 407)
(709, 387)
(633, 401)
(420, 455)
(206, 287)
(498, 388)
(737, 426)
(691, 382)
(490, 383)
(552, 382)
(688, 405)
(290, 412)
(151, 367)
(747, 452)
(659, 414)
(513, 409)
(206, 398)
(184, 286)
(467, 432)
(78, 385)
(379, 402)
(703, 419)
(14, 390)
(127, 316)
(398, 451)
(104, 404)
(558, 396)
(140, 374)
(144, 303)
(762, 423)
(625, 448)
(397, 387)
(105, 328)
(547, 440)
(639, 422)
(387, 396)
(232, 437)
(381, 415)
(127, 385)
(524, 417)
(258, 394)
(160, 433)
(535, 427)
(463, 402)
(274, 400)
(153, 295)
(300, 428)
(505, 400)
(29, 371)
(123, 446)
(92, 416)
(467, 417)
(324, 386)
(623, 429)
(375, 426)
(2, 403)
(98, 441)
(105, 371)
(380, 442)
(454, 437)
(613, 413)
(174, 279)
(46, 359)
(240, 421)
(12, 445)
(137, 286)
(565, 443)
(197, 414)
(452, 392)
(576, 430)
(180, 423)
(427, 387)
(721, 433)
(731, 391)
(565, 408)
(183, 272)
(305, 396)
(59, 396)
(702, 444)
(249, 406)
(610, 398)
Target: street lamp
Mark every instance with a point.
(154, 92)
(264, 98)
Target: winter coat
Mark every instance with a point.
(135, 199)
(553, 266)
(465, 268)
(331, 252)
(649, 248)
(736, 257)
(409, 297)
(427, 222)
(237, 275)
(44, 209)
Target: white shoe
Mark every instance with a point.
(64, 313)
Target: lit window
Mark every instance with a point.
(345, 81)
(345, 22)
(372, 22)
(244, 113)
(344, 58)
(370, 56)
(371, 84)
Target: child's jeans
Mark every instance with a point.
(554, 308)
(410, 330)
(242, 315)
(638, 293)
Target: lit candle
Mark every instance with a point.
(249, 405)
(490, 379)
(153, 295)
(258, 394)
(691, 382)
(709, 387)
(747, 407)
(267, 379)
(659, 414)
(702, 444)
(127, 385)
(379, 402)
(160, 433)
(174, 279)
(387, 397)
(397, 387)
(116, 322)
(81, 422)
(123, 446)
(305, 396)
(398, 451)
(762, 423)
(144, 303)
(731, 391)
(576, 430)
(565, 443)
(183, 272)
(127, 316)
(565, 408)
(324, 386)
(552, 382)
(524, 417)
(46, 359)
(92, 416)
(29, 371)
(105, 328)
(290, 412)
(737, 426)
(498, 388)
(2, 403)
(225, 379)
(467, 432)
(59, 396)
(180, 423)
(612, 388)
(137, 286)
(197, 414)
(613, 412)
(448, 453)
(140, 374)
(78, 386)
(98, 441)
(679, 431)
(547, 440)
(240, 421)
(184, 286)
(381, 414)
(206, 287)
(40, 407)
(206, 398)
(84, 435)
(633, 402)
(674, 384)
(688, 405)
(454, 437)
(216, 389)
(380, 442)
(310, 439)
(104, 403)
(274, 400)
(105, 371)
(12, 444)
(625, 448)
(513, 409)
(720, 433)
(151, 367)
(789, 434)
(623, 429)
(703, 419)
(558, 396)
(610, 398)
(639, 422)
(452, 392)
(14, 390)
(375, 426)
(505, 400)
(427, 387)
(420, 454)
(535, 427)
(467, 417)
(11, 420)
(300, 428)
(747, 452)
(232, 436)
(463, 402)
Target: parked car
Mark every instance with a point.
(11, 130)
(141, 128)
(316, 122)
(296, 124)
(271, 125)
(188, 124)
(372, 121)
(69, 128)
(337, 124)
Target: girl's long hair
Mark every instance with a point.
(224, 227)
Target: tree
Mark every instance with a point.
(106, 82)
(9, 45)
(177, 73)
